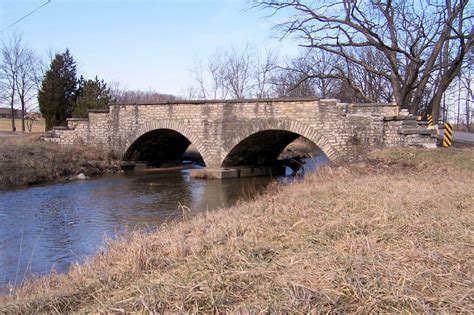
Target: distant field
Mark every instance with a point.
(6, 125)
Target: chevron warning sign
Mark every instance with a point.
(448, 135)
(430, 120)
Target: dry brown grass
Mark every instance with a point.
(389, 234)
(28, 160)
(6, 125)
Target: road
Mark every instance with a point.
(461, 137)
(465, 137)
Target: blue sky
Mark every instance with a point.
(142, 44)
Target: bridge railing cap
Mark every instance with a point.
(106, 110)
(373, 104)
(77, 119)
(330, 100)
(251, 100)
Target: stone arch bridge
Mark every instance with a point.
(238, 133)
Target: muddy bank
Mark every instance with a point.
(29, 160)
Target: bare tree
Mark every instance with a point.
(21, 75)
(212, 80)
(27, 82)
(11, 53)
(466, 85)
(314, 74)
(265, 67)
(411, 36)
(321, 74)
(197, 74)
(325, 71)
(217, 72)
(235, 73)
(120, 94)
(456, 104)
(295, 79)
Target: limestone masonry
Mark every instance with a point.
(217, 127)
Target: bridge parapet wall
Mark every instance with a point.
(92, 131)
(216, 127)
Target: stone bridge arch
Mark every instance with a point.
(166, 124)
(217, 127)
(279, 125)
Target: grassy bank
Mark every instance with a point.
(388, 234)
(27, 160)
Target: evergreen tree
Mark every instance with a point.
(57, 95)
(92, 94)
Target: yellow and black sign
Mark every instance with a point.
(430, 120)
(448, 135)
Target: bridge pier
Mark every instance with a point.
(237, 172)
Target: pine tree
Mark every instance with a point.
(57, 95)
(92, 94)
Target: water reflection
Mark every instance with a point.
(52, 226)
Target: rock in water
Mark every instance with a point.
(81, 176)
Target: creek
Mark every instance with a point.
(50, 227)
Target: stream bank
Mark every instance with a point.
(316, 245)
(28, 160)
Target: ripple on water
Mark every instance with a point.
(52, 226)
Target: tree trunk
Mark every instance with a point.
(435, 105)
(458, 118)
(468, 110)
(12, 101)
(23, 115)
(21, 95)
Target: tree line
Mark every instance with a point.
(20, 76)
(63, 95)
(251, 73)
(410, 51)
(54, 89)
(416, 53)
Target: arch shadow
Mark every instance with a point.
(161, 141)
(159, 146)
(261, 144)
(259, 149)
